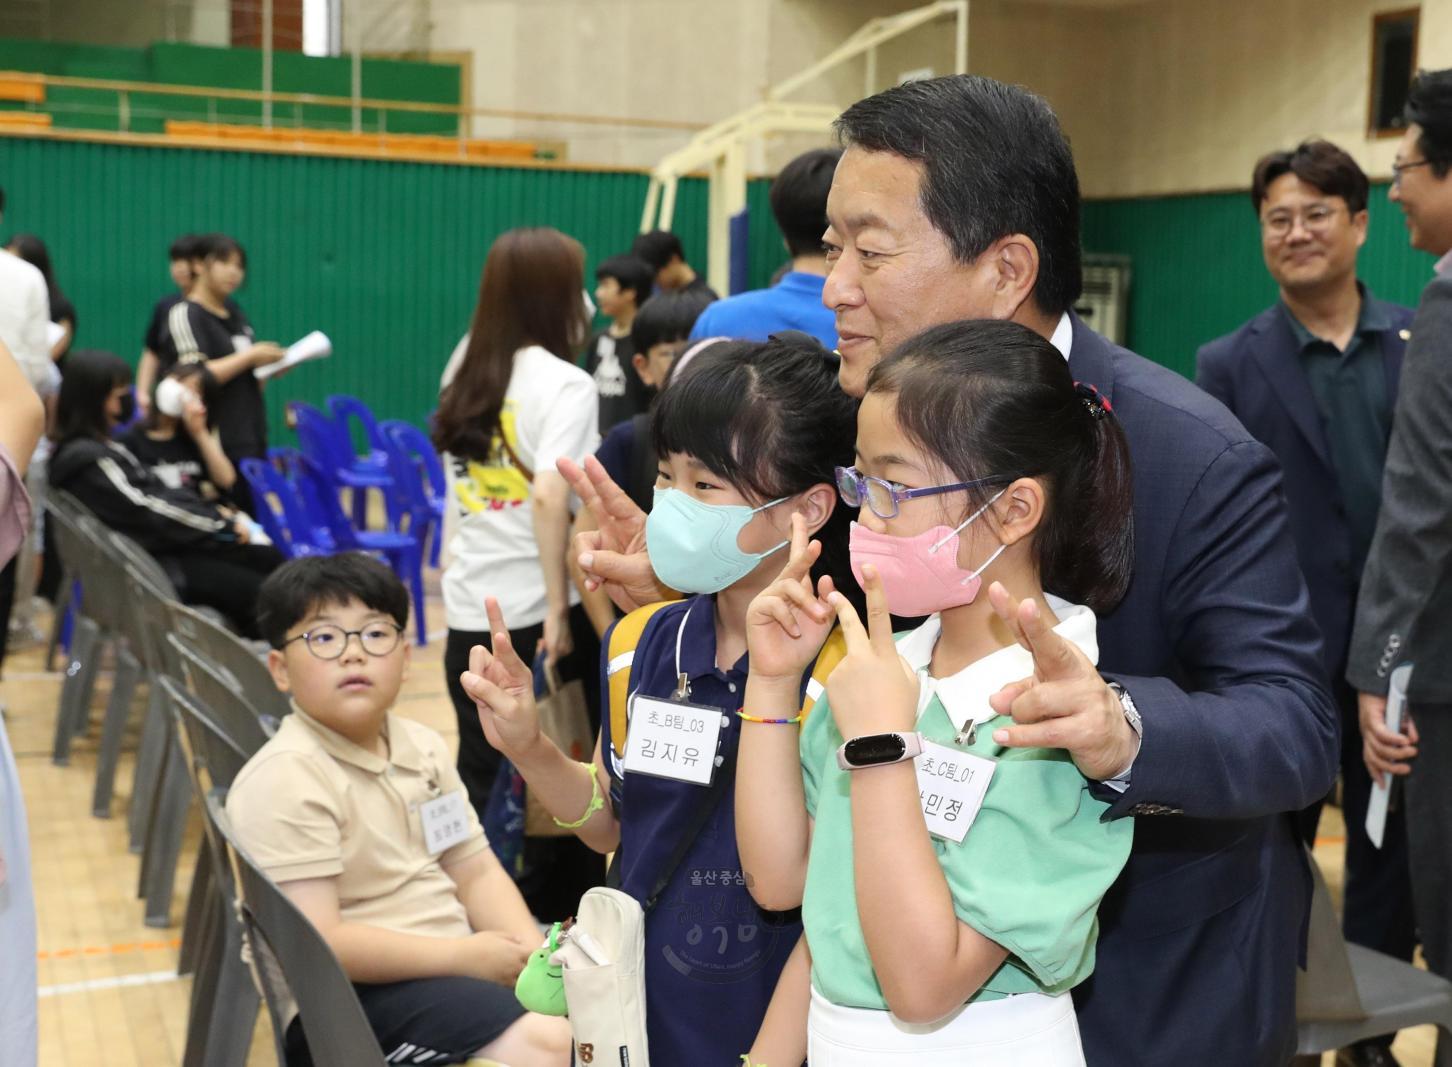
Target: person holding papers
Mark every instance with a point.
(208, 326)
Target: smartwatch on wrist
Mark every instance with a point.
(877, 750)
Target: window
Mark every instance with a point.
(1393, 61)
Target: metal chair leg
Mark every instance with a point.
(75, 690)
(224, 999)
(200, 922)
(113, 730)
(163, 843)
(150, 754)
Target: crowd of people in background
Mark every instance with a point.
(1144, 623)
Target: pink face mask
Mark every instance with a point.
(920, 575)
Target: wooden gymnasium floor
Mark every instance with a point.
(108, 986)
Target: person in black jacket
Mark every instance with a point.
(202, 545)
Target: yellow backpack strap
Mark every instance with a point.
(623, 640)
(827, 659)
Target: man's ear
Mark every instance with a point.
(407, 659)
(1358, 223)
(277, 667)
(1014, 267)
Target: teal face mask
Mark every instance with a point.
(692, 545)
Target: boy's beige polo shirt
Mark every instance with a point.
(311, 804)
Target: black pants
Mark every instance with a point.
(427, 1020)
(225, 577)
(1428, 796)
(557, 870)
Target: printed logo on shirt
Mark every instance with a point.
(497, 483)
(183, 474)
(609, 375)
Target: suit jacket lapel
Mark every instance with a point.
(1274, 347)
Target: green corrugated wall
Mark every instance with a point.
(384, 257)
(1198, 271)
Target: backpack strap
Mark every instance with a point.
(832, 654)
(623, 641)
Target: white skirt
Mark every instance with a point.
(1028, 1030)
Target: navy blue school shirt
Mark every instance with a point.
(712, 956)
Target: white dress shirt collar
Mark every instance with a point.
(1443, 266)
(1063, 338)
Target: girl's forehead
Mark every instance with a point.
(881, 441)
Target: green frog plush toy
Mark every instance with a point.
(541, 985)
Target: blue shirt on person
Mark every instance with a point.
(712, 956)
(794, 303)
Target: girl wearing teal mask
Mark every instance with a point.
(748, 436)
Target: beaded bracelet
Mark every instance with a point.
(596, 802)
(770, 722)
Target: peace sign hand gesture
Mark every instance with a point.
(873, 690)
(1064, 703)
(502, 688)
(786, 625)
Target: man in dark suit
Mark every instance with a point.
(957, 198)
(1314, 378)
(1404, 613)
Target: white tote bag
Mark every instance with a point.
(603, 957)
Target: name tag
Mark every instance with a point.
(951, 787)
(445, 821)
(672, 740)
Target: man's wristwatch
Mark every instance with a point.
(876, 750)
(1131, 713)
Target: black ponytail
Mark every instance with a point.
(994, 400)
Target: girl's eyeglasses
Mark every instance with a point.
(884, 498)
(329, 641)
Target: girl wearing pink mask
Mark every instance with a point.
(948, 885)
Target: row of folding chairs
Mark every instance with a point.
(211, 705)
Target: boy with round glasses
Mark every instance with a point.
(360, 817)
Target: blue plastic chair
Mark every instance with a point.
(281, 511)
(343, 408)
(326, 443)
(404, 551)
(419, 480)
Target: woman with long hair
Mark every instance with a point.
(203, 546)
(513, 402)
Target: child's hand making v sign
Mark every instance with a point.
(502, 687)
(873, 690)
(787, 622)
(786, 626)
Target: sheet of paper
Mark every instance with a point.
(1396, 703)
(314, 346)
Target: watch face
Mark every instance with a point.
(875, 748)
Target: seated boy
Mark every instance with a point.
(359, 815)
